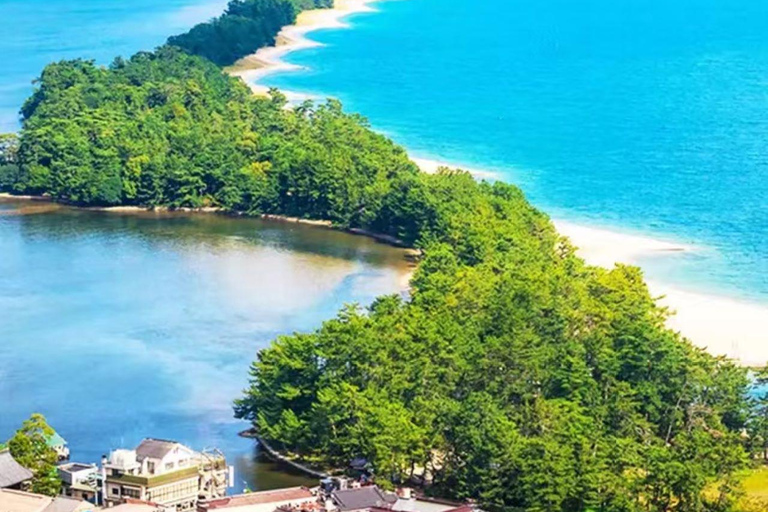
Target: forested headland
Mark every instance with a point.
(515, 374)
(243, 28)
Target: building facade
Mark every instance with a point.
(79, 481)
(163, 472)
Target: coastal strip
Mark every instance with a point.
(268, 60)
(721, 325)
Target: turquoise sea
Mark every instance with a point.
(646, 116)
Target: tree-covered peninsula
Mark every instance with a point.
(245, 26)
(514, 374)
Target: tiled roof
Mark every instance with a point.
(260, 498)
(11, 472)
(154, 448)
(64, 504)
(18, 501)
(55, 440)
(362, 498)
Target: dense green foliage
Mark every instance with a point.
(245, 26)
(9, 170)
(30, 449)
(166, 128)
(515, 374)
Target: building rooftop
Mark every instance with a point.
(55, 439)
(362, 498)
(18, 501)
(133, 505)
(74, 467)
(261, 498)
(155, 448)
(427, 505)
(11, 472)
(64, 504)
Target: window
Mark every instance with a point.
(151, 468)
(132, 493)
(115, 491)
(182, 463)
(169, 466)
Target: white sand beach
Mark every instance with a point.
(430, 166)
(721, 325)
(291, 38)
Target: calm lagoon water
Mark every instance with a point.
(646, 116)
(118, 327)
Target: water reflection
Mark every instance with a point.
(122, 326)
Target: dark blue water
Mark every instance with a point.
(120, 327)
(643, 115)
(37, 32)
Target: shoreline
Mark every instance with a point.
(291, 38)
(411, 254)
(720, 324)
(723, 325)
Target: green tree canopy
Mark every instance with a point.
(30, 449)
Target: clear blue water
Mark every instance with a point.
(120, 327)
(37, 32)
(648, 116)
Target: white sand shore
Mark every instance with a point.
(431, 166)
(605, 248)
(721, 325)
(291, 38)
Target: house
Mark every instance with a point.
(79, 481)
(19, 501)
(291, 498)
(163, 472)
(12, 474)
(58, 443)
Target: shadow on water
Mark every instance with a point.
(48, 219)
(260, 473)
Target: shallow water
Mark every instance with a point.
(648, 116)
(119, 327)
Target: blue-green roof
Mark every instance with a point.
(55, 440)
